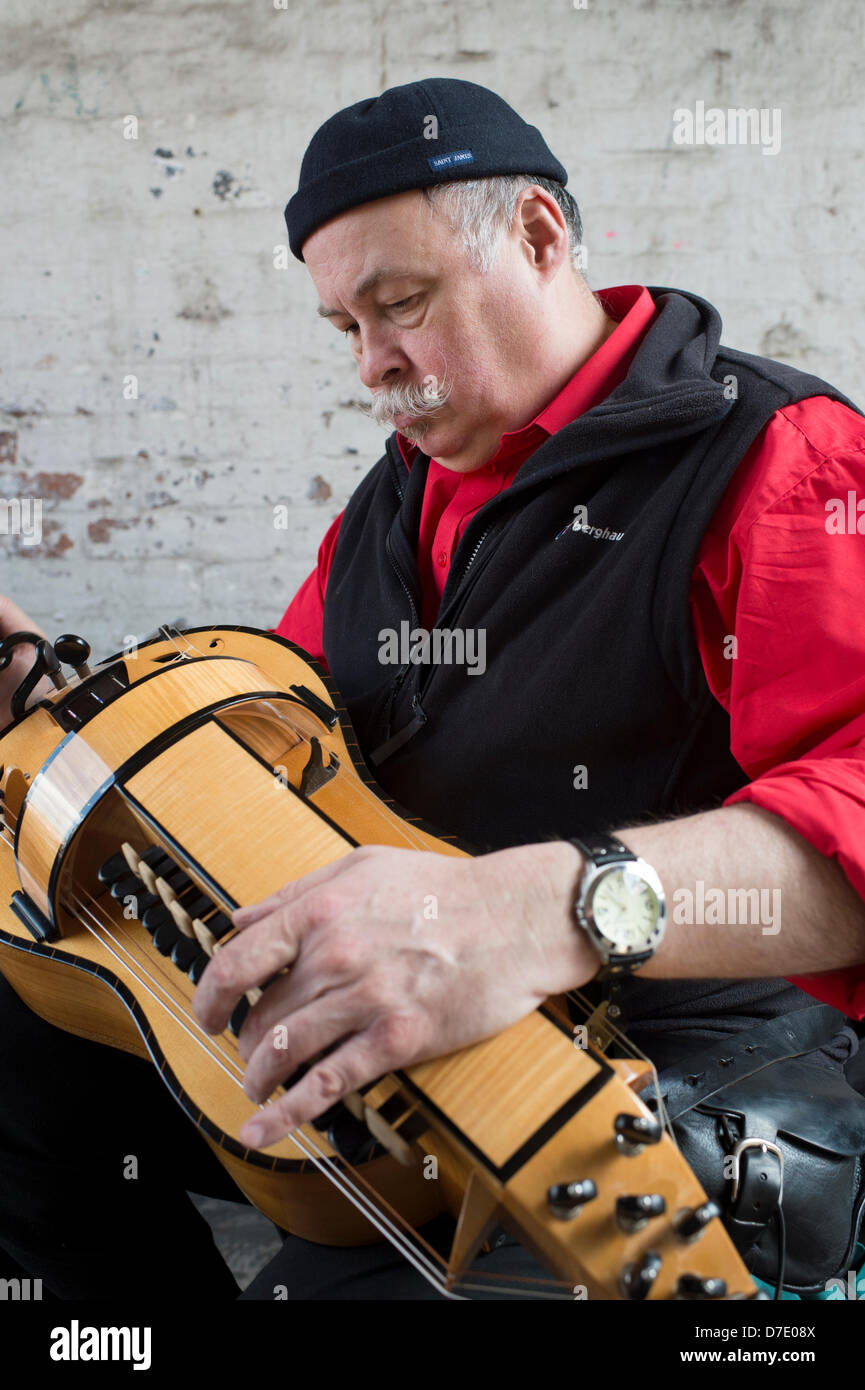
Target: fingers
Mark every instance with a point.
(243, 917)
(265, 946)
(296, 1040)
(245, 962)
(354, 1064)
(274, 1006)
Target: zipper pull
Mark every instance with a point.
(390, 746)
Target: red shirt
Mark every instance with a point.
(770, 573)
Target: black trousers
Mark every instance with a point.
(76, 1119)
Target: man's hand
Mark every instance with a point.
(396, 956)
(14, 619)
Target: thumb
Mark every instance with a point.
(14, 619)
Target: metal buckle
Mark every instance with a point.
(767, 1147)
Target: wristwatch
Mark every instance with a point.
(621, 904)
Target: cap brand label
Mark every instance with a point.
(446, 161)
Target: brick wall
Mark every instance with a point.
(153, 258)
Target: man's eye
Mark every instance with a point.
(402, 303)
(352, 328)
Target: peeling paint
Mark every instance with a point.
(319, 489)
(61, 485)
(47, 549)
(100, 531)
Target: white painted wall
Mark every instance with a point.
(154, 256)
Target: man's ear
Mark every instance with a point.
(540, 225)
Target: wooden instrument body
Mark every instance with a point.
(206, 751)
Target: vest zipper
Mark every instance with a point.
(393, 741)
(403, 672)
(471, 559)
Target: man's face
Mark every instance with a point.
(425, 312)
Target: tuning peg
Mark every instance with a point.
(691, 1286)
(691, 1222)
(632, 1213)
(633, 1132)
(566, 1199)
(75, 652)
(46, 654)
(636, 1280)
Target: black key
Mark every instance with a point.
(198, 966)
(156, 916)
(185, 951)
(114, 868)
(165, 938)
(127, 887)
(178, 881)
(146, 902)
(235, 1023)
(172, 873)
(197, 906)
(154, 855)
(219, 924)
(350, 1137)
(328, 1117)
(161, 864)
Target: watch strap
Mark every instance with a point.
(602, 849)
(623, 965)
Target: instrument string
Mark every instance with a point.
(229, 1065)
(385, 1219)
(631, 1050)
(407, 1241)
(171, 633)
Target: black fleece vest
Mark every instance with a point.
(591, 659)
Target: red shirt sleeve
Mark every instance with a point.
(302, 620)
(777, 573)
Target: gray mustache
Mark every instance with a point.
(424, 400)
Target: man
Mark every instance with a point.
(631, 524)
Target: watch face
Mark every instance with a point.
(625, 909)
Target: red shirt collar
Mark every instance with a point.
(600, 374)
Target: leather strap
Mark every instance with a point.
(757, 1199)
(603, 849)
(697, 1077)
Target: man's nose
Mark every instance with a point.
(379, 362)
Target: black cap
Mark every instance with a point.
(414, 136)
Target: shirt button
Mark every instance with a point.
(442, 557)
(489, 468)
